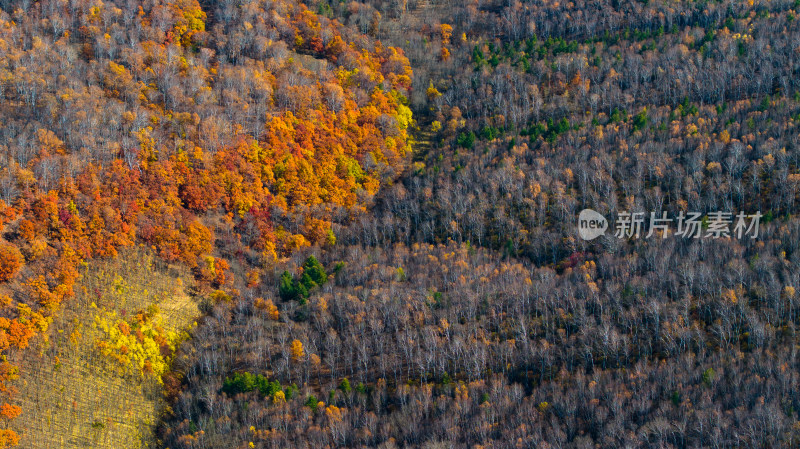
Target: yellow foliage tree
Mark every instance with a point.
(297, 350)
(447, 32)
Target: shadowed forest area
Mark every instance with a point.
(269, 224)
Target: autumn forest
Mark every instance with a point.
(276, 224)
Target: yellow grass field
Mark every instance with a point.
(72, 396)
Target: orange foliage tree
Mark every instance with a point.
(10, 261)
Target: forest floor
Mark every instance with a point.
(422, 141)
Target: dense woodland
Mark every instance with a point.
(373, 206)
